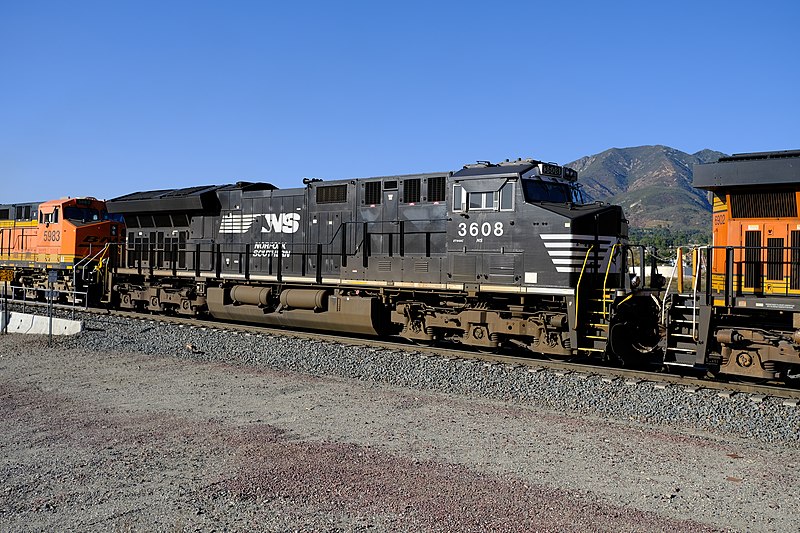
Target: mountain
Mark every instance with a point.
(653, 184)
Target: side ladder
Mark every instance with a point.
(682, 320)
(595, 320)
(681, 317)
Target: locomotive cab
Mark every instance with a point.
(73, 229)
(527, 210)
(524, 227)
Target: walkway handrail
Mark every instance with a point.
(578, 286)
(679, 257)
(696, 282)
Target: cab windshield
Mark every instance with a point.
(84, 214)
(550, 191)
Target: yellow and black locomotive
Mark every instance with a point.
(743, 315)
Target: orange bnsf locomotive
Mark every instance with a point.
(743, 318)
(68, 236)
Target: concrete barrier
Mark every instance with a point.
(40, 325)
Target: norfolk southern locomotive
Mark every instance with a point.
(490, 255)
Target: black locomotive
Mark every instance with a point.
(490, 255)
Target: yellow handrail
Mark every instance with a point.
(102, 259)
(605, 280)
(578, 287)
(608, 267)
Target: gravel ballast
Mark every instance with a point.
(145, 425)
(768, 421)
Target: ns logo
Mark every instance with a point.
(281, 223)
(269, 222)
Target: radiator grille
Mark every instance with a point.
(436, 188)
(372, 192)
(795, 260)
(411, 189)
(331, 194)
(764, 205)
(752, 259)
(774, 259)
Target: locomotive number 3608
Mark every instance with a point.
(484, 229)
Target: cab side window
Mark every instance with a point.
(502, 200)
(507, 197)
(459, 198)
(481, 201)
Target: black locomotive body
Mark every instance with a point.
(491, 254)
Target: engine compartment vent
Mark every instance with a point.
(780, 204)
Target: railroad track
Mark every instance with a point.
(757, 391)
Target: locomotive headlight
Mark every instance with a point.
(635, 282)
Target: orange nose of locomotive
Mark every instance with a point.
(94, 230)
(76, 228)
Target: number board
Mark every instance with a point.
(548, 169)
(6, 275)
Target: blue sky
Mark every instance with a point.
(106, 98)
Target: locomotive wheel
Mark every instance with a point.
(625, 343)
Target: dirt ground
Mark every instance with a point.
(109, 441)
